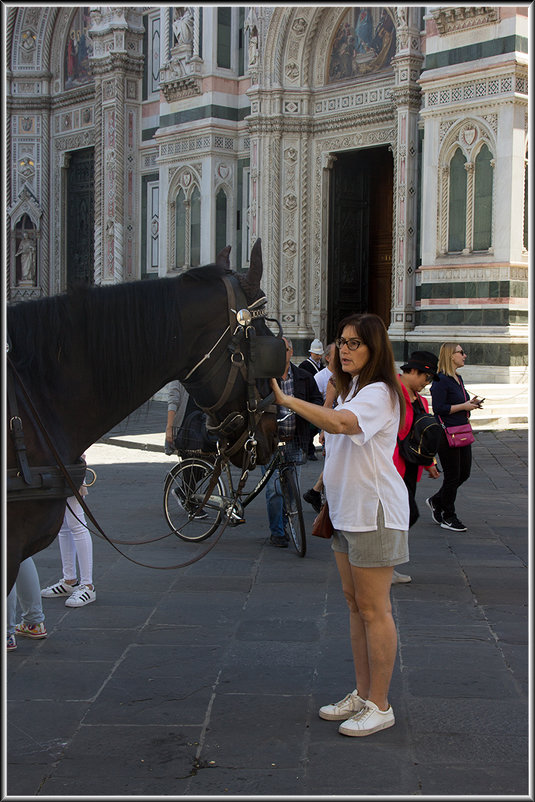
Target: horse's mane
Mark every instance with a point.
(121, 326)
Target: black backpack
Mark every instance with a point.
(422, 442)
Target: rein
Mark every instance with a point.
(76, 493)
(242, 362)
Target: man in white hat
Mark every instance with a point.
(313, 365)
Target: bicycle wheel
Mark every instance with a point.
(184, 489)
(293, 510)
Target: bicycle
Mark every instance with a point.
(186, 485)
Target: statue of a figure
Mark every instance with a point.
(252, 27)
(183, 26)
(28, 265)
(253, 47)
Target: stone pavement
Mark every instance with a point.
(206, 681)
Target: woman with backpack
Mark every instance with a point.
(419, 371)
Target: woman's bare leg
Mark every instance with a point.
(357, 631)
(372, 586)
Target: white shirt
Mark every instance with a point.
(359, 470)
(322, 380)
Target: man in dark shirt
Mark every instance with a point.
(312, 364)
(295, 431)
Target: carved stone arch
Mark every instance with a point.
(29, 26)
(295, 53)
(10, 26)
(313, 25)
(185, 178)
(49, 44)
(180, 180)
(277, 33)
(454, 138)
(25, 205)
(225, 186)
(469, 134)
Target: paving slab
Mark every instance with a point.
(206, 681)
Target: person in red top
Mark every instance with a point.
(420, 370)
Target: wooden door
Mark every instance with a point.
(360, 236)
(80, 217)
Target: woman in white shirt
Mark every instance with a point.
(368, 506)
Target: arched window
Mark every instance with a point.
(180, 229)
(457, 204)
(483, 201)
(220, 220)
(195, 229)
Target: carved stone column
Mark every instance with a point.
(407, 66)
(117, 64)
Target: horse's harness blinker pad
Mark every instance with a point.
(268, 357)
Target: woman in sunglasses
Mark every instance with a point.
(452, 406)
(368, 506)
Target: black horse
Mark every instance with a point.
(89, 358)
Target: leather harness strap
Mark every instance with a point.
(16, 429)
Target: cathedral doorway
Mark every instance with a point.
(360, 235)
(80, 217)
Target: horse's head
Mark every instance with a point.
(231, 379)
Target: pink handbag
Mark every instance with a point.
(459, 436)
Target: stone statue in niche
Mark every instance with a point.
(27, 261)
(183, 27)
(182, 49)
(251, 25)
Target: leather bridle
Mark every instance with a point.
(239, 339)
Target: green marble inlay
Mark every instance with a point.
(479, 50)
(473, 289)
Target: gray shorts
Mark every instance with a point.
(376, 549)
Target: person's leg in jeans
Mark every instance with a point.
(274, 504)
(28, 593)
(11, 611)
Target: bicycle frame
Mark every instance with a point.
(223, 502)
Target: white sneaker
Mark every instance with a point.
(352, 703)
(81, 596)
(398, 579)
(60, 588)
(369, 720)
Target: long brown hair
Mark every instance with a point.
(380, 367)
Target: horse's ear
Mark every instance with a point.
(255, 265)
(250, 282)
(222, 259)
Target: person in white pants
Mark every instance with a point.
(74, 541)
